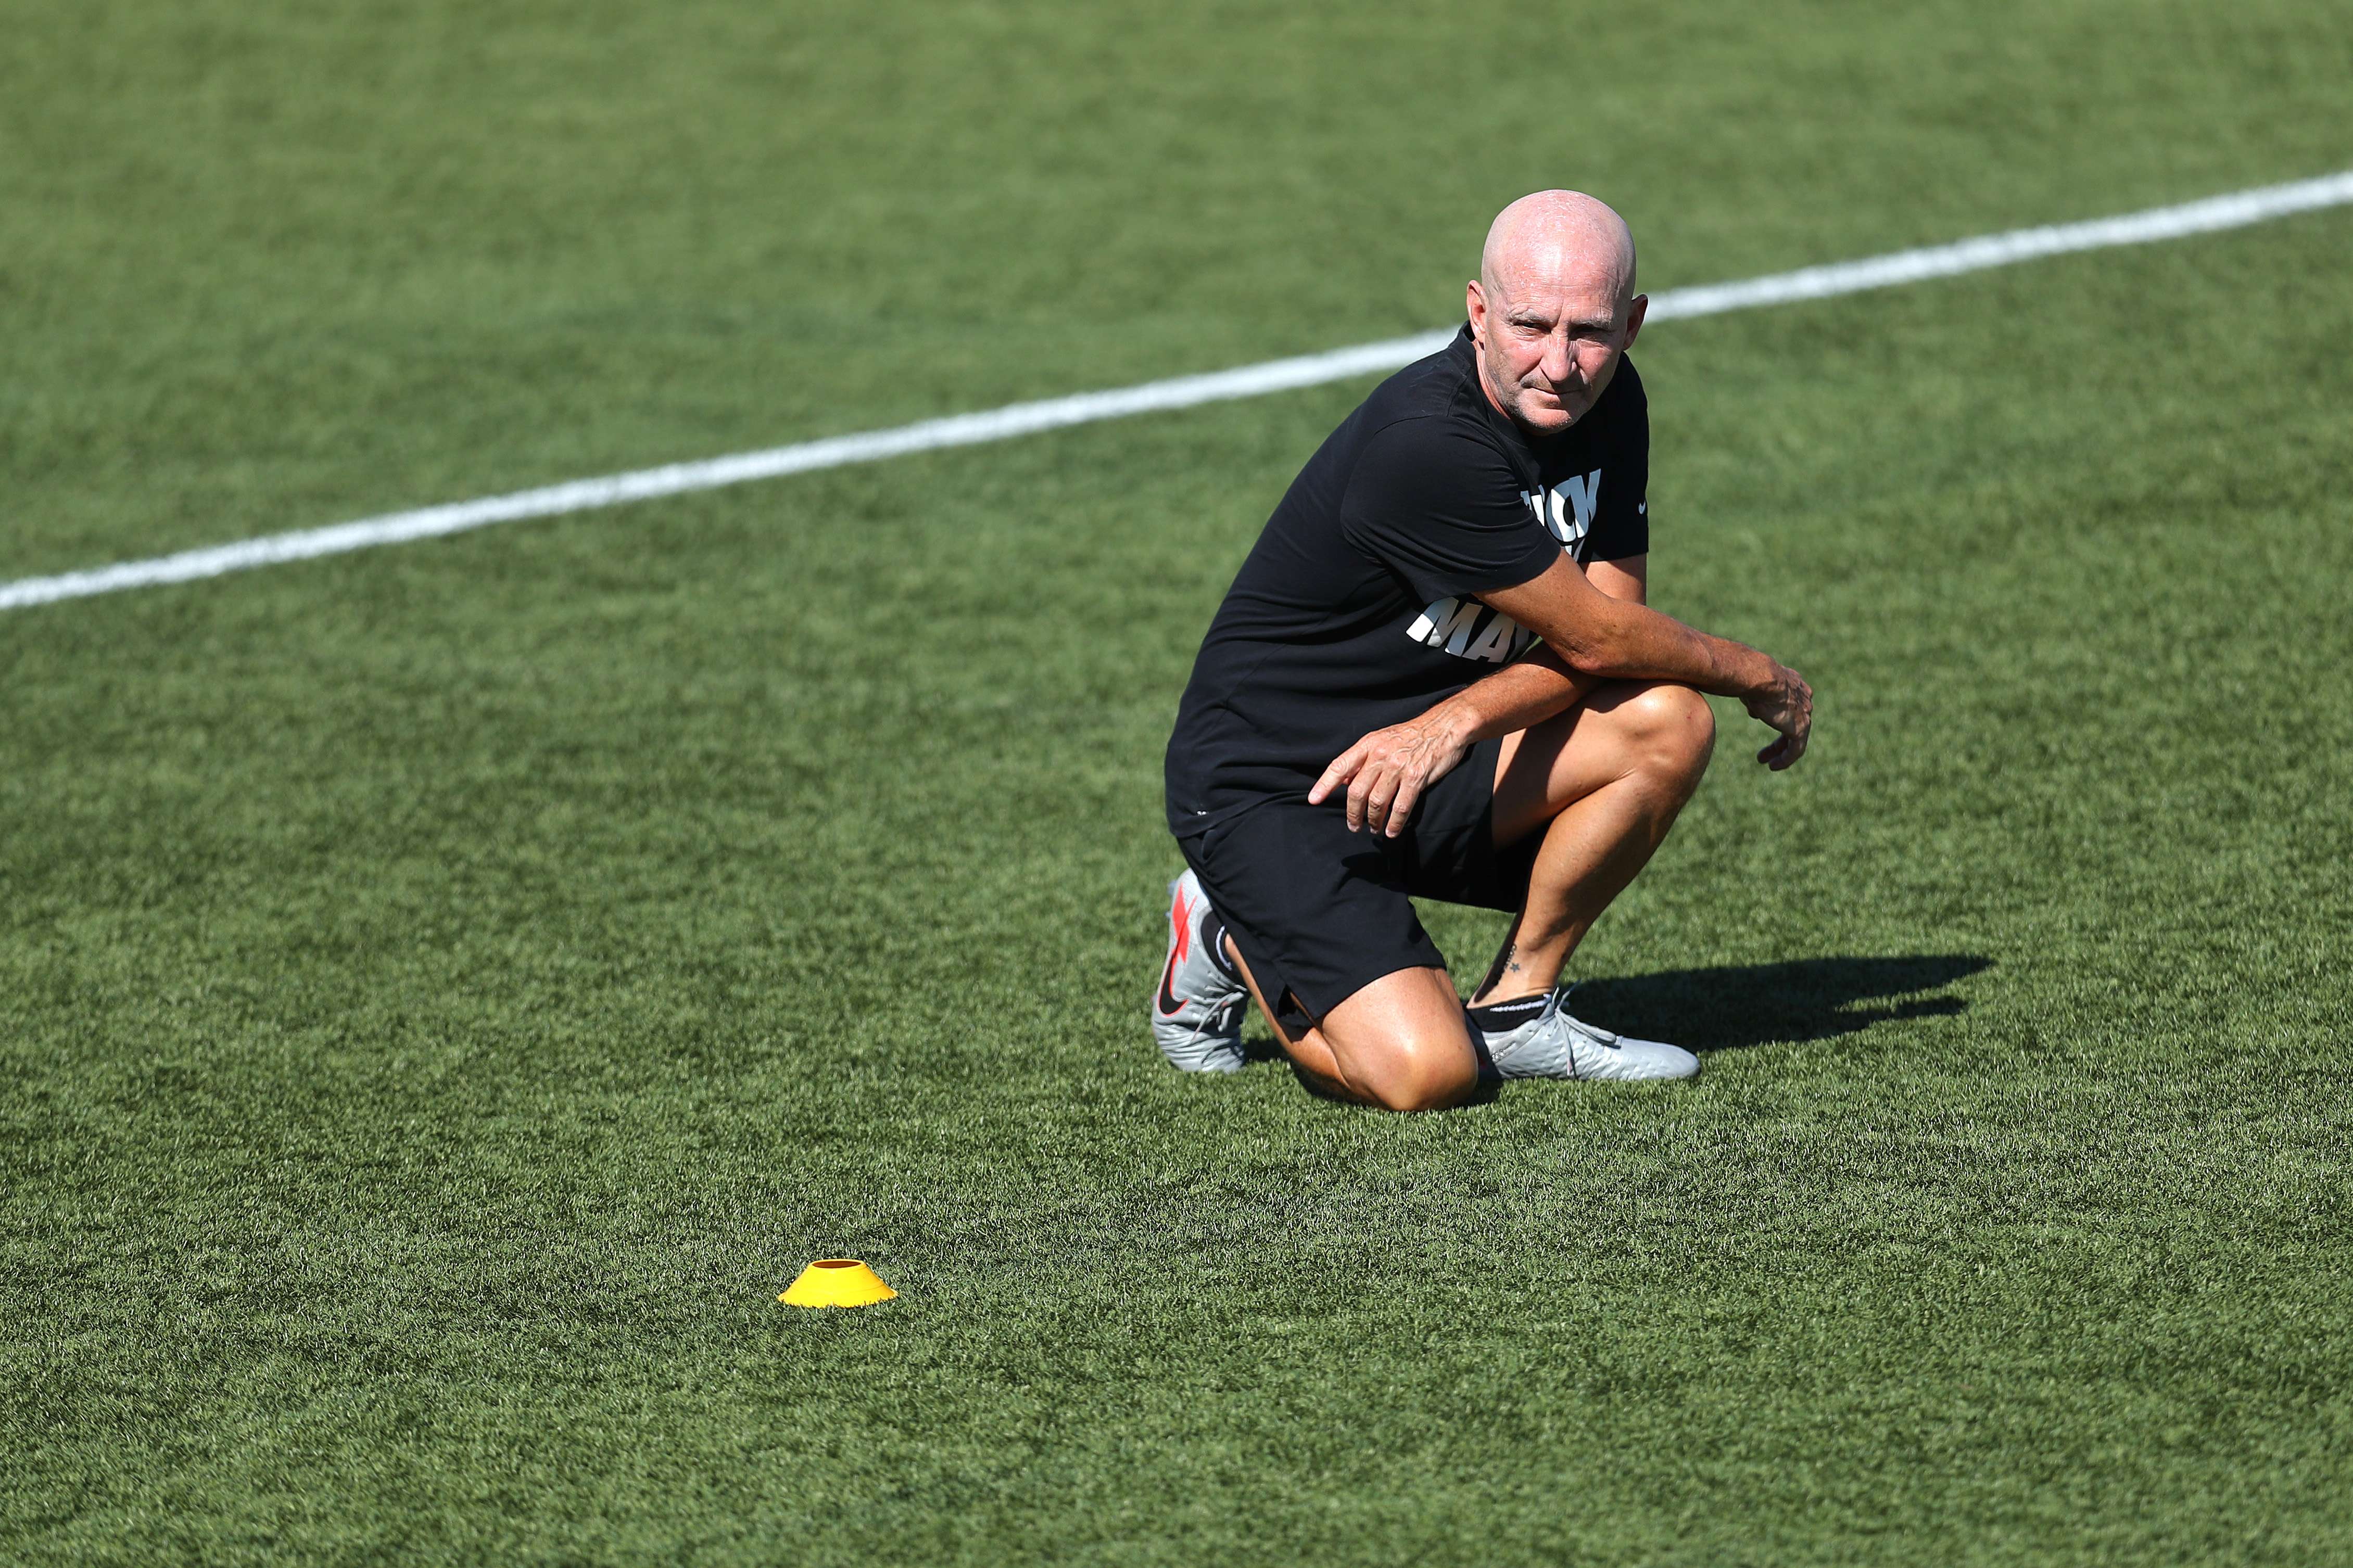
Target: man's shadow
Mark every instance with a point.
(1731, 1008)
(1734, 1006)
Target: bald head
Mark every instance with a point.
(1554, 233)
(1554, 307)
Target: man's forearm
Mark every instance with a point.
(1528, 692)
(1645, 645)
(1590, 637)
(1607, 638)
(1630, 642)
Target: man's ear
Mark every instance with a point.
(1475, 305)
(1639, 307)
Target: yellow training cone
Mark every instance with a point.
(836, 1282)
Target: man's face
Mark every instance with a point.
(1548, 338)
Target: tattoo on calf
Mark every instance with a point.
(1508, 961)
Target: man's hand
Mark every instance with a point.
(1788, 704)
(1386, 772)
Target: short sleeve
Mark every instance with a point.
(1622, 522)
(1445, 510)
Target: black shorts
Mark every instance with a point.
(1320, 912)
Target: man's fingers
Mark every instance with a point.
(1783, 752)
(1382, 781)
(1343, 768)
(1342, 765)
(1409, 792)
(1798, 738)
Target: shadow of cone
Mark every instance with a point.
(836, 1282)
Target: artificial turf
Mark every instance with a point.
(446, 993)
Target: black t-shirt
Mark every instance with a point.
(1357, 607)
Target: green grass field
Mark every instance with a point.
(447, 992)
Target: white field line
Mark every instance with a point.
(2236, 210)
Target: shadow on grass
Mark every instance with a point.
(1730, 1008)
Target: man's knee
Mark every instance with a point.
(1674, 728)
(1402, 1042)
(1417, 1075)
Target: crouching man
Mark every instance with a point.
(1373, 717)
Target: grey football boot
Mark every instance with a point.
(1551, 1043)
(1197, 1013)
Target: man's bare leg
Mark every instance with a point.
(1400, 1043)
(1603, 782)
